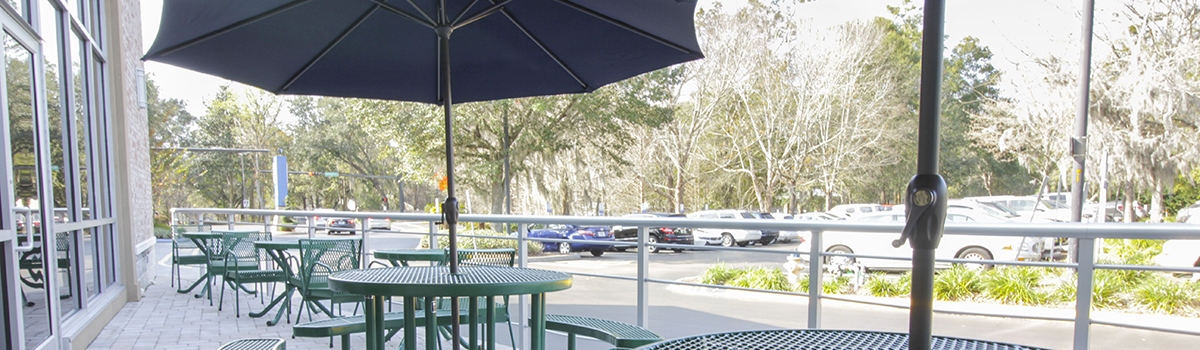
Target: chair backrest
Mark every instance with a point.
(488, 257)
(177, 239)
(240, 245)
(321, 257)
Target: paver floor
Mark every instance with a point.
(164, 319)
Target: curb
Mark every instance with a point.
(554, 257)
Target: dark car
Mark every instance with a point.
(682, 236)
(768, 235)
(339, 225)
(575, 232)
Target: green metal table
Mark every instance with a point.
(277, 250)
(437, 281)
(818, 339)
(401, 257)
(203, 242)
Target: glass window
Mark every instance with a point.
(726, 216)
(90, 263)
(80, 116)
(747, 216)
(24, 145)
(20, 6)
(959, 218)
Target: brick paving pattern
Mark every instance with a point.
(164, 319)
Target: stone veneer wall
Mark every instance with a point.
(132, 151)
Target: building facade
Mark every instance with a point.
(76, 224)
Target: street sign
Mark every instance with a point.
(245, 203)
(331, 174)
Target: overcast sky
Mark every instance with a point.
(1015, 31)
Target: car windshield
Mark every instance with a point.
(747, 216)
(766, 216)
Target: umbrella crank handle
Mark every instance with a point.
(450, 211)
(925, 208)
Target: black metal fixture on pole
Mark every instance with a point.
(926, 196)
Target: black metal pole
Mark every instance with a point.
(1079, 142)
(927, 228)
(450, 207)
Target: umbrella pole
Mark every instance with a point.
(927, 195)
(450, 207)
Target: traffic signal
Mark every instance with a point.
(312, 173)
(385, 199)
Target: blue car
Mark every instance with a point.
(575, 232)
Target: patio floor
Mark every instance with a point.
(164, 319)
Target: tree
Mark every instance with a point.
(170, 125)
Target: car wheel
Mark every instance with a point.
(564, 247)
(766, 241)
(652, 239)
(976, 254)
(622, 249)
(839, 260)
(727, 240)
(678, 250)
(597, 252)
(743, 244)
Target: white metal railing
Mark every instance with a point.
(1087, 234)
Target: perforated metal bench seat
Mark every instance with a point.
(621, 334)
(345, 326)
(255, 344)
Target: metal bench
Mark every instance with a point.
(255, 344)
(623, 335)
(392, 321)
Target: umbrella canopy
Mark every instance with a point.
(388, 49)
(401, 50)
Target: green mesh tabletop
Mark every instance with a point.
(254, 344)
(819, 339)
(437, 281)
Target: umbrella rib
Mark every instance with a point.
(426, 22)
(628, 27)
(544, 49)
(490, 10)
(464, 11)
(329, 47)
(229, 28)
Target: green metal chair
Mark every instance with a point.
(184, 251)
(32, 262)
(243, 264)
(318, 259)
(484, 257)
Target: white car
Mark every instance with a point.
(383, 223)
(951, 247)
(850, 210)
(725, 236)
(321, 221)
(784, 236)
(1179, 253)
(816, 216)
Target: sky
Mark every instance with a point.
(1015, 31)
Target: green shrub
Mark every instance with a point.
(720, 274)
(838, 285)
(881, 286)
(535, 248)
(761, 278)
(1107, 287)
(162, 232)
(1166, 295)
(287, 220)
(1016, 285)
(957, 283)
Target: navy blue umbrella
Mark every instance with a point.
(405, 49)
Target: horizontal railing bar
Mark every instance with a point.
(1065, 229)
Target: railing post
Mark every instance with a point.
(643, 271)
(815, 271)
(230, 219)
(523, 300)
(1083, 291)
(433, 244)
(267, 224)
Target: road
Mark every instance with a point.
(678, 311)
